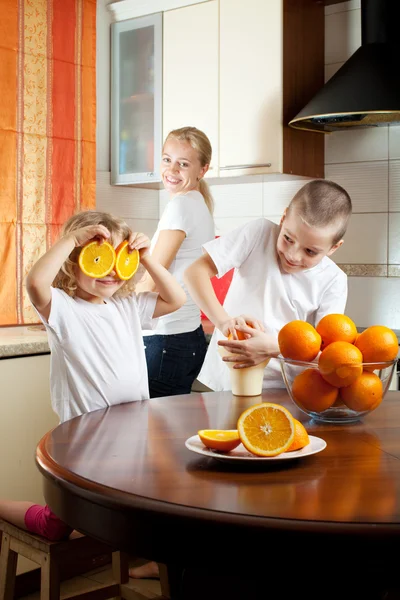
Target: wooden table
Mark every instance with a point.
(124, 476)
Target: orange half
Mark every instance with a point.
(266, 429)
(126, 263)
(97, 260)
(223, 440)
(300, 439)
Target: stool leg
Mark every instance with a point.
(50, 580)
(8, 569)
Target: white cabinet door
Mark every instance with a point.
(250, 86)
(190, 79)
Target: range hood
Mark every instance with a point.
(365, 91)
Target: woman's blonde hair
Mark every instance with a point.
(199, 142)
(66, 277)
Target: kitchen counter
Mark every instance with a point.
(23, 340)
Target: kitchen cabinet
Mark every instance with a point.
(191, 72)
(136, 100)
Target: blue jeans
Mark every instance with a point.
(174, 361)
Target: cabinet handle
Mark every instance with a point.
(231, 167)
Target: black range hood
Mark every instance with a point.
(365, 91)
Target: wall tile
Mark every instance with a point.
(341, 6)
(125, 201)
(147, 226)
(355, 145)
(366, 182)
(394, 141)
(374, 301)
(278, 194)
(366, 240)
(240, 200)
(394, 238)
(225, 224)
(342, 35)
(394, 185)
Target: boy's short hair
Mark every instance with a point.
(66, 277)
(322, 202)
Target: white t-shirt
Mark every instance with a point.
(260, 289)
(97, 351)
(188, 213)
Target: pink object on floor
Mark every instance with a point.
(40, 520)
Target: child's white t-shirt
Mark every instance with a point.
(188, 213)
(97, 351)
(260, 289)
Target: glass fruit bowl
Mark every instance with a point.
(367, 384)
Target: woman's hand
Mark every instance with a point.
(86, 234)
(257, 347)
(139, 241)
(230, 326)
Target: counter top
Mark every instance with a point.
(23, 340)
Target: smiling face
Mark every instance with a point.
(97, 291)
(181, 169)
(301, 246)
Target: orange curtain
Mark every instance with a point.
(47, 133)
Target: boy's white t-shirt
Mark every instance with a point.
(260, 289)
(188, 213)
(97, 351)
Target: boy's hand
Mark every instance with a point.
(91, 232)
(249, 352)
(139, 241)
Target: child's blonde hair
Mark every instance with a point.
(66, 277)
(199, 142)
(322, 202)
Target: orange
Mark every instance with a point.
(126, 263)
(378, 344)
(336, 328)
(365, 393)
(240, 334)
(97, 260)
(300, 439)
(312, 392)
(299, 340)
(266, 429)
(340, 363)
(223, 440)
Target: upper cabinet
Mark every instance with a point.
(240, 71)
(136, 103)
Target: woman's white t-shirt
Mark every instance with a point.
(260, 289)
(97, 351)
(188, 213)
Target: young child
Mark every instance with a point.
(282, 273)
(176, 347)
(94, 329)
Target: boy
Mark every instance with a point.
(282, 273)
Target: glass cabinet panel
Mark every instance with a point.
(136, 100)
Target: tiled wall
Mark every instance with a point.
(365, 162)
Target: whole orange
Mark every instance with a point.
(299, 340)
(365, 393)
(240, 334)
(312, 392)
(377, 344)
(336, 328)
(340, 363)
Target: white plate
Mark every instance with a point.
(240, 453)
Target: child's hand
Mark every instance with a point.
(257, 347)
(85, 234)
(241, 323)
(139, 241)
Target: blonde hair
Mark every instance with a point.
(322, 202)
(66, 277)
(199, 142)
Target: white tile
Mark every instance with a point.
(366, 182)
(394, 185)
(374, 301)
(147, 226)
(394, 238)
(277, 195)
(353, 145)
(237, 200)
(331, 69)
(163, 201)
(125, 201)
(365, 241)
(341, 6)
(225, 224)
(342, 35)
(394, 141)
